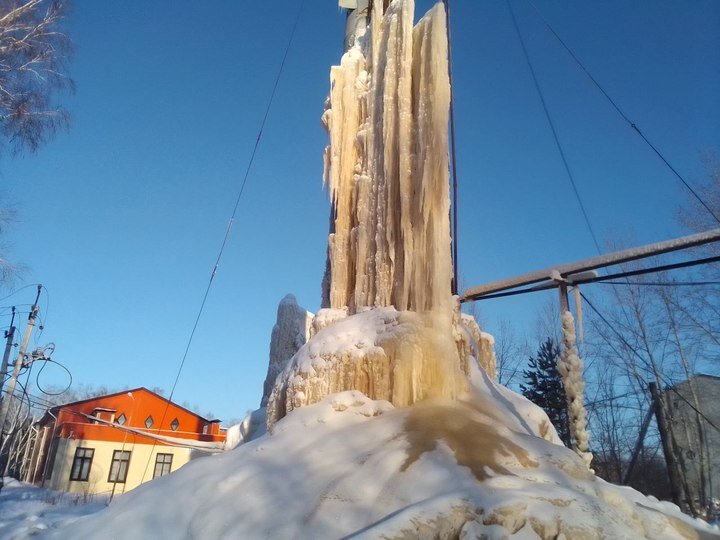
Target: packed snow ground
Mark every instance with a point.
(26, 510)
(351, 467)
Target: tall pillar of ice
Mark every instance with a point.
(387, 165)
(386, 169)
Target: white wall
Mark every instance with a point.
(100, 468)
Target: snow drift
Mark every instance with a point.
(487, 465)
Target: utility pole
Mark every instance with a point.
(10, 336)
(639, 444)
(671, 458)
(5, 407)
(357, 20)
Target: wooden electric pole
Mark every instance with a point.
(5, 407)
(671, 458)
(9, 336)
(638, 444)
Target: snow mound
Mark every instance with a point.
(352, 467)
(26, 510)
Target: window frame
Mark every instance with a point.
(169, 464)
(81, 460)
(120, 461)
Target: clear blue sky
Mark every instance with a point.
(122, 216)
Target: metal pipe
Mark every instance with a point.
(609, 259)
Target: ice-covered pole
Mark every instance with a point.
(357, 20)
(356, 25)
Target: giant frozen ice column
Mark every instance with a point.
(387, 166)
(389, 327)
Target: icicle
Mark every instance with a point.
(570, 367)
(387, 166)
(431, 274)
(343, 119)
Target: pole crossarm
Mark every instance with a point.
(568, 270)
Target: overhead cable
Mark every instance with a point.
(552, 128)
(237, 203)
(666, 382)
(632, 124)
(232, 217)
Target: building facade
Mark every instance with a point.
(694, 413)
(114, 443)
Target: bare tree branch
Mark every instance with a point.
(34, 52)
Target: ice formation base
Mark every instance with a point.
(398, 356)
(486, 465)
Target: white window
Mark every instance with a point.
(81, 464)
(163, 465)
(119, 466)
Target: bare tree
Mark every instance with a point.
(34, 52)
(511, 353)
(652, 330)
(694, 215)
(8, 270)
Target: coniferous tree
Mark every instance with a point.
(544, 387)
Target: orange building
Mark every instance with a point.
(113, 443)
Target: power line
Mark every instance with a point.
(668, 385)
(552, 128)
(237, 203)
(18, 290)
(231, 220)
(47, 392)
(455, 284)
(632, 124)
(662, 283)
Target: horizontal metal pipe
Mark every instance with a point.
(601, 261)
